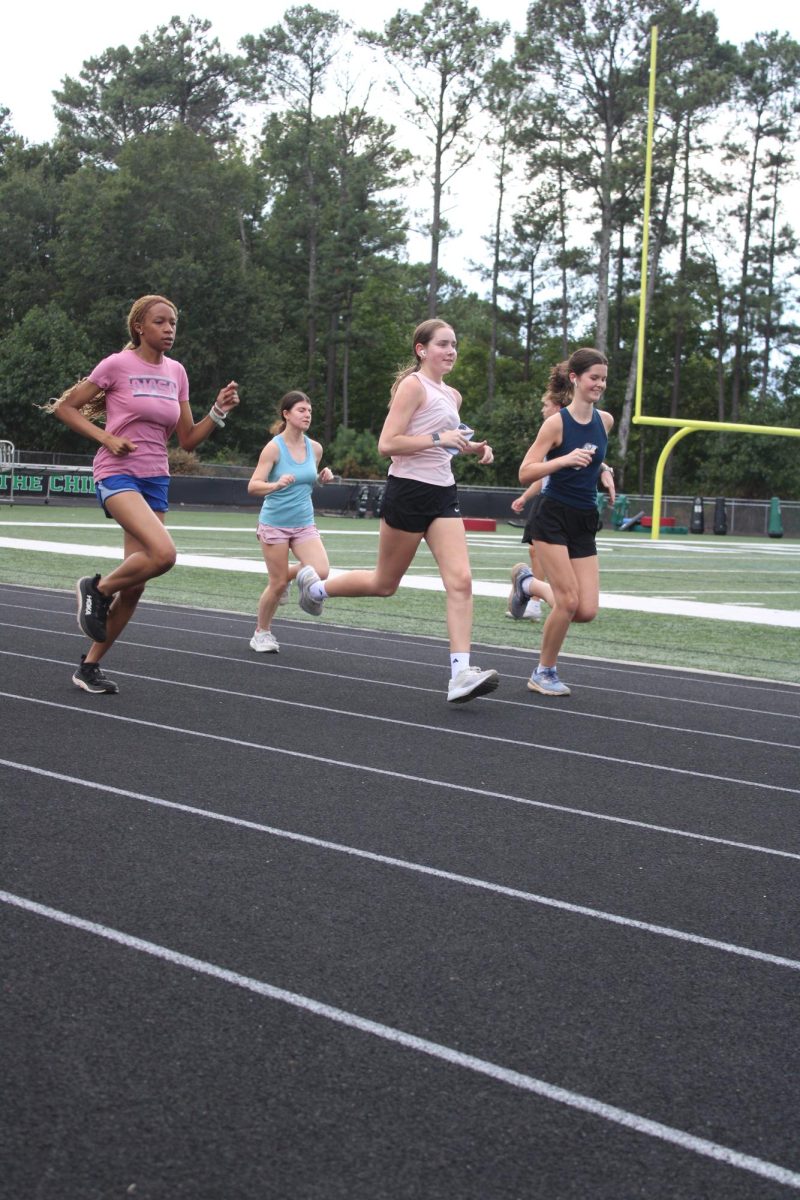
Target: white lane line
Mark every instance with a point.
(174, 527)
(498, 889)
(484, 793)
(409, 1041)
(782, 618)
(732, 545)
(500, 542)
(545, 747)
(683, 675)
(692, 731)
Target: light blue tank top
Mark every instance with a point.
(291, 507)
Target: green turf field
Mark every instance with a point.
(756, 572)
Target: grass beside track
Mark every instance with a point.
(745, 572)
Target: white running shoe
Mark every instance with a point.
(533, 611)
(305, 577)
(471, 682)
(284, 596)
(264, 642)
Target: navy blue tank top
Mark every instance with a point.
(577, 486)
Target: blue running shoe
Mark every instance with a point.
(546, 681)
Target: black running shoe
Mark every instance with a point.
(92, 608)
(89, 677)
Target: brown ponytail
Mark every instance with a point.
(560, 386)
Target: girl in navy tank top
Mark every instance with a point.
(568, 453)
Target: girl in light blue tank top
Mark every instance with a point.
(290, 507)
(287, 471)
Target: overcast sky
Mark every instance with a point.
(43, 43)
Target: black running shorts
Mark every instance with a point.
(527, 533)
(561, 525)
(412, 506)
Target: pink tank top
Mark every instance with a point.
(437, 412)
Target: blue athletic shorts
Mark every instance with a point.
(155, 490)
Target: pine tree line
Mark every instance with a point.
(266, 192)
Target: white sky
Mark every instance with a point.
(42, 43)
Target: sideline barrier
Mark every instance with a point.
(720, 516)
(40, 483)
(620, 511)
(62, 484)
(698, 521)
(775, 525)
(480, 524)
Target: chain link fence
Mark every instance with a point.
(745, 518)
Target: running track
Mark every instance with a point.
(293, 927)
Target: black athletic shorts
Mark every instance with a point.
(527, 533)
(412, 506)
(561, 525)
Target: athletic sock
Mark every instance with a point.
(317, 591)
(457, 663)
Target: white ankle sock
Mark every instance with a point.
(457, 663)
(317, 591)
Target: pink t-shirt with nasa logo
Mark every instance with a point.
(143, 404)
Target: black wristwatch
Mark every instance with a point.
(437, 437)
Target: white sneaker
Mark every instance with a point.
(471, 682)
(284, 596)
(264, 642)
(533, 611)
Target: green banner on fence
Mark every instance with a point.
(47, 483)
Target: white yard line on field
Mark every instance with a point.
(431, 583)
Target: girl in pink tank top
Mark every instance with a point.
(421, 434)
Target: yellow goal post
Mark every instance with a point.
(683, 426)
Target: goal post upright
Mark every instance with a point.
(683, 426)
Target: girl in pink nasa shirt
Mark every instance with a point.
(145, 398)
